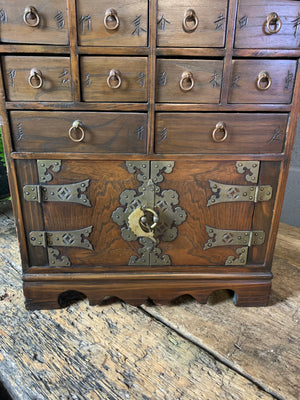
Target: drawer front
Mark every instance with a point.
(112, 22)
(43, 22)
(220, 133)
(189, 81)
(121, 79)
(89, 212)
(37, 78)
(191, 23)
(100, 132)
(268, 24)
(262, 81)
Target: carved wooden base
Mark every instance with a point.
(59, 290)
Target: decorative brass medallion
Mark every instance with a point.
(149, 214)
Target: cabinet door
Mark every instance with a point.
(141, 214)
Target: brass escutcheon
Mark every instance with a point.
(263, 78)
(190, 16)
(35, 75)
(114, 75)
(111, 17)
(31, 17)
(273, 20)
(220, 128)
(76, 126)
(186, 77)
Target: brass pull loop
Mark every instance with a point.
(149, 220)
(31, 16)
(111, 20)
(220, 128)
(114, 75)
(190, 16)
(187, 81)
(35, 79)
(263, 81)
(273, 20)
(73, 132)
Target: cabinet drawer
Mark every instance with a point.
(191, 23)
(100, 132)
(112, 22)
(262, 81)
(268, 24)
(37, 78)
(220, 133)
(114, 79)
(43, 22)
(189, 81)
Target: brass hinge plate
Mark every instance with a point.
(234, 193)
(70, 193)
(223, 237)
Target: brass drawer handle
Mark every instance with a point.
(220, 128)
(31, 16)
(35, 79)
(111, 17)
(114, 75)
(273, 20)
(187, 81)
(149, 220)
(73, 132)
(190, 16)
(263, 81)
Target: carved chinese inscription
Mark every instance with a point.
(219, 22)
(289, 80)
(296, 23)
(64, 77)
(243, 22)
(137, 24)
(140, 133)
(214, 80)
(276, 136)
(3, 16)
(141, 79)
(163, 135)
(59, 18)
(162, 22)
(163, 79)
(20, 132)
(86, 23)
(11, 76)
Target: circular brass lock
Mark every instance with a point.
(142, 221)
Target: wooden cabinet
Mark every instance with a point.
(148, 144)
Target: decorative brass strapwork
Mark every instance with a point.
(251, 166)
(67, 193)
(149, 214)
(224, 237)
(47, 239)
(31, 17)
(190, 21)
(273, 23)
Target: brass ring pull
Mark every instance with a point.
(76, 126)
(144, 221)
(220, 128)
(187, 81)
(263, 81)
(273, 20)
(31, 16)
(114, 75)
(35, 76)
(111, 16)
(190, 16)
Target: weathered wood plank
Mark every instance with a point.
(259, 342)
(113, 351)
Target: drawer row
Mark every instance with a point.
(175, 133)
(124, 79)
(185, 23)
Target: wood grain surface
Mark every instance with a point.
(52, 28)
(184, 350)
(251, 30)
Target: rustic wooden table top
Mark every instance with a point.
(181, 351)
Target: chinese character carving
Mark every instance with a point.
(219, 22)
(12, 75)
(296, 23)
(59, 18)
(87, 81)
(276, 136)
(163, 79)
(65, 78)
(163, 135)
(288, 80)
(141, 79)
(140, 133)
(235, 81)
(86, 22)
(3, 17)
(214, 80)
(162, 23)
(243, 22)
(137, 23)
